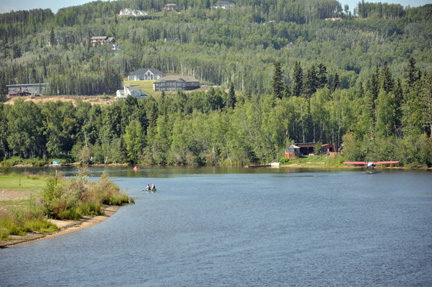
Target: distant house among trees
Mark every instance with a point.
(176, 83)
(132, 12)
(145, 74)
(304, 149)
(96, 40)
(170, 7)
(130, 91)
(177, 40)
(27, 89)
(289, 46)
(224, 5)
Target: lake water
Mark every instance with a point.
(244, 227)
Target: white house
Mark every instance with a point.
(132, 12)
(146, 74)
(224, 5)
(130, 91)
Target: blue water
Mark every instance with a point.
(244, 227)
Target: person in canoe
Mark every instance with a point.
(135, 168)
(153, 188)
(148, 187)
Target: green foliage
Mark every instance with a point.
(74, 198)
(15, 221)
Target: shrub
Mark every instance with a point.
(74, 198)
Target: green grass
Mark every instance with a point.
(146, 86)
(22, 182)
(319, 160)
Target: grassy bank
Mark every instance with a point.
(316, 161)
(28, 201)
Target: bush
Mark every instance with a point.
(74, 198)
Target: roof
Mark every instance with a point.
(27, 85)
(177, 78)
(142, 71)
(134, 89)
(99, 37)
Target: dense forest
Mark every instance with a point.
(363, 80)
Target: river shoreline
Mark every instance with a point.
(64, 227)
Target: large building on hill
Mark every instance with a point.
(145, 74)
(176, 83)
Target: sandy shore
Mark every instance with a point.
(65, 227)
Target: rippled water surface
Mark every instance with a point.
(244, 227)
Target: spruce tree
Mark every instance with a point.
(322, 76)
(277, 81)
(53, 40)
(297, 88)
(411, 74)
(311, 82)
(231, 100)
(336, 82)
(387, 82)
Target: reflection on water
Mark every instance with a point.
(244, 227)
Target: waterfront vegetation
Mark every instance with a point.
(33, 199)
(282, 73)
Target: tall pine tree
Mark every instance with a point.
(297, 87)
(277, 81)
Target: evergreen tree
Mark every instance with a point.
(322, 76)
(411, 74)
(311, 82)
(297, 87)
(373, 85)
(336, 82)
(231, 100)
(277, 81)
(387, 82)
(53, 40)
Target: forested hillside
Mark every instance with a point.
(362, 80)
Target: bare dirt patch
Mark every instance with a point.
(43, 99)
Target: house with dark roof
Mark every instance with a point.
(146, 74)
(176, 83)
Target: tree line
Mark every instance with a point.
(385, 118)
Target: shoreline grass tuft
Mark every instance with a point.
(60, 199)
